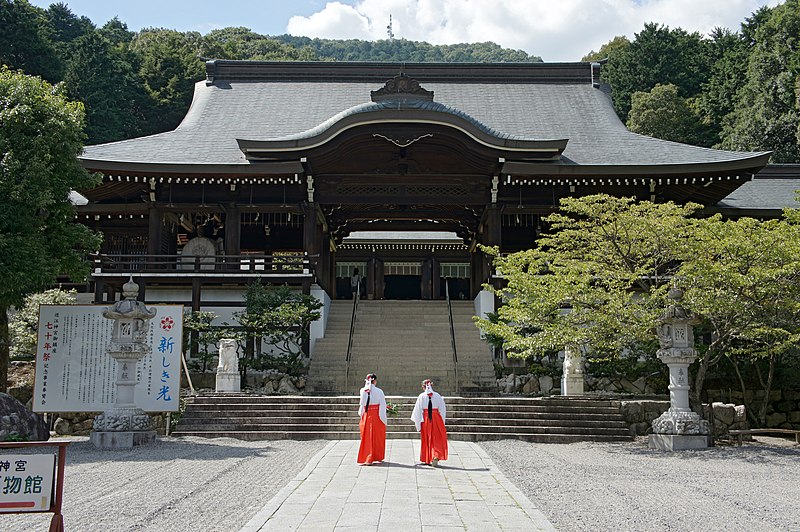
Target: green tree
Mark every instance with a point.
(24, 325)
(664, 114)
(584, 282)
(169, 65)
(25, 41)
(243, 43)
(99, 75)
(613, 47)
(743, 278)
(199, 334)
(658, 55)
(279, 317)
(41, 135)
(767, 113)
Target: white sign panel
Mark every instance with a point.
(74, 373)
(26, 482)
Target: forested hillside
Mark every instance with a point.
(411, 51)
(736, 88)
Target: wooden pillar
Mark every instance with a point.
(492, 236)
(426, 279)
(436, 274)
(155, 224)
(310, 232)
(233, 230)
(99, 291)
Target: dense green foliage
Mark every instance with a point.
(275, 323)
(41, 135)
(733, 89)
(411, 51)
(742, 88)
(664, 114)
(598, 281)
(24, 325)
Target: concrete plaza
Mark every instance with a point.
(467, 492)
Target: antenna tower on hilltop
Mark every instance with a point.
(389, 31)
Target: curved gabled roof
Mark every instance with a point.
(530, 102)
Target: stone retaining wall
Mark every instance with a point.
(640, 415)
(783, 409)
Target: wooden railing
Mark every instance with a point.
(251, 264)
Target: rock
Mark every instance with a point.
(786, 406)
(775, 395)
(794, 417)
(511, 384)
(532, 386)
(724, 413)
(545, 383)
(632, 411)
(741, 413)
(301, 383)
(775, 420)
(639, 429)
(286, 386)
(62, 427)
(19, 423)
(791, 395)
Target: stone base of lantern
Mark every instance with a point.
(122, 440)
(229, 381)
(679, 442)
(572, 384)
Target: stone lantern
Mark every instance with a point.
(125, 425)
(679, 427)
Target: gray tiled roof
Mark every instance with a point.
(276, 107)
(763, 195)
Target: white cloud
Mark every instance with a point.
(556, 30)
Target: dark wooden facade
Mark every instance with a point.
(281, 206)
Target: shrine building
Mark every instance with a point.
(299, 172)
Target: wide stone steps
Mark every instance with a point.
(251, 417)
(403, 342)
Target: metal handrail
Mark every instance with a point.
(350, 340)
(452, 331)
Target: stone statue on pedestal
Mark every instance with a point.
(228, 378)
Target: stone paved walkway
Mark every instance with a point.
(467, 492)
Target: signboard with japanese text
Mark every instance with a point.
(74, 373)
(26, 482)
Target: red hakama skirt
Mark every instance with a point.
(373, 436)
(434, 438)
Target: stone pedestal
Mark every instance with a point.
(229, 381)
(121, 440)
(572, 384)
(678, 442)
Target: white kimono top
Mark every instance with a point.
(421, 408)
(376, 397)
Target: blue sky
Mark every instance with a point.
(556, 30)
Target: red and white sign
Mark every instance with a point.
(74, 373)
(26, 482)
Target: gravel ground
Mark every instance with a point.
(176, 484)
(626, 486)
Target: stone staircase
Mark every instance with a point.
(402, 342)
(542, 420)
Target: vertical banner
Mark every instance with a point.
(74, 373)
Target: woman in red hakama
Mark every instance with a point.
(429, 416)
(372, 410)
